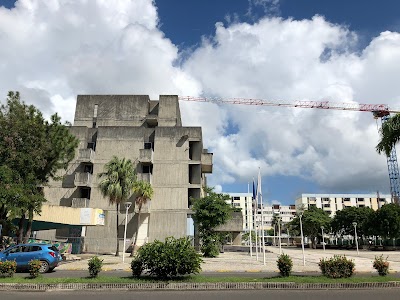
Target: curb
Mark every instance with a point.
(195, 286)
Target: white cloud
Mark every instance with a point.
(57, 49)
(299, 60)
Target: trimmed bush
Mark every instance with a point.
(381, 265)
(34, 267)
(285, 265)
(210, 245)
(174, 257)
(8, 268)
(337, 266)
(95, 264)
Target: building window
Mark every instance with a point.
(346, 199)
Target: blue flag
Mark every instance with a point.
(254, 191)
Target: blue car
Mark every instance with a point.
(24, 253)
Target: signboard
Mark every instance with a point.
(99, 217)
(86, 214)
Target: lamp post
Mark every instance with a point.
(127, 206)
(302, 238)
(279, 234)
(323, 239)
(355, 235)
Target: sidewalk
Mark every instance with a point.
(243, 262)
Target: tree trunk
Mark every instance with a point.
(29, 227)
(117, 251)
(20, 232)
(137, 231)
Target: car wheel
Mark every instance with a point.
(44, 267)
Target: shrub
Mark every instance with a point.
(34, 267)
(336, 267)
(285, 265)
(174, 257)
(210, 245)
(95, 265)
(8, 268)
(381, 265)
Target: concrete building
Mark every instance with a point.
(167, 154)
(244, 201)
(334, 202)
(285, 212)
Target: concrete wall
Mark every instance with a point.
(120, 125)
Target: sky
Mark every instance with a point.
(337, 50)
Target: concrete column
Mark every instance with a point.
(237, 238)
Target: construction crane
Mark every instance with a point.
(381, 111)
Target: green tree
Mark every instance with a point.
(312, 220)
(390, 135)
(246, 236)
(117, 183)
(144, 192)
(343, 220)
(32, 151)
(210, 212)
(387, 221)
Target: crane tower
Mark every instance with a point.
(381, 111)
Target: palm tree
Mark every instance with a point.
(118, 179)
(390, 135)
(143, 191)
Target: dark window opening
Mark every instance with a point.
(85, 193)
(147, 169)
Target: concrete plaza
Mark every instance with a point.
(243, 262)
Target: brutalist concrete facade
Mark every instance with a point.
(150, 133)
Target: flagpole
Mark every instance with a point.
(259, 192)
(255, 218)
(249, 216)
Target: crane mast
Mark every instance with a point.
(381, 111)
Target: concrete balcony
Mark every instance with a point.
(152, 120)
(80, 202)
(206, 162)
(145, 208)
(83, 179)
(144, 177)
(146, 155)
(86, 155)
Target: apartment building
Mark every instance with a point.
(166, 154)
(334, 202)
(244, 201)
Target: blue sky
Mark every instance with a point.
(289, 49)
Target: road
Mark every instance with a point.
(387, 294)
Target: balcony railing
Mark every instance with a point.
(206, 162)
(145, 207)
(146, 155)
(80, 202)
(86, 155)
(145, 177)
(83, 179)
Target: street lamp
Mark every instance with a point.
(279, 234)
(355, 235)
(300, 214)
(323, 239)
(127, 206)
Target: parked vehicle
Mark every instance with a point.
(24, 253)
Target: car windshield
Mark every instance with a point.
(53, 248)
